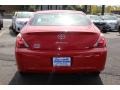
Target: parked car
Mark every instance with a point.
(118, 17)
(99, 22)
(1, 22)
(119, 24)
(60, 41)
(20, 19)
(112, 21)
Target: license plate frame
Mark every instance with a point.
(61, 61)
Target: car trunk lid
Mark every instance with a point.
(72, 39)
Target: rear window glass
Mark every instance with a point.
(109, 18)
(58, 19)
(95, 17)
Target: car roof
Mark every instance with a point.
(60, 11)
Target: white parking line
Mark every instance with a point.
(1, 33)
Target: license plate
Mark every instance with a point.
(61, 61)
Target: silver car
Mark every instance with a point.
(99, 22)
(20, 19)
(118, 16)
(112, 22)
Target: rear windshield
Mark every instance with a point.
(95, 17)
(59, 19)
(109, 18)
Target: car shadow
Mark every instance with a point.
(55, 79)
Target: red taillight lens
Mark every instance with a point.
(101, 42)
(20, 42)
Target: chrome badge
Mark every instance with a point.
(36, 45)
(61, 36)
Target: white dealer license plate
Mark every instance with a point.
(61, 61)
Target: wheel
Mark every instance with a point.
(14, 30)
(13, 27)
(119, 29)
(2, 25)
(104, 31)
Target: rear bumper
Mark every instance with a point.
(41, 61)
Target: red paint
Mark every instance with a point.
(84, 44)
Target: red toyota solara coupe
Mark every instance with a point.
(61, 41)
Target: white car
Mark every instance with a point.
(20, 19)
(112, 21)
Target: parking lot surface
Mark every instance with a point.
(9, 74)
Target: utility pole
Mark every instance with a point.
(103, 10)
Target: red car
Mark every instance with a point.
(60, 41)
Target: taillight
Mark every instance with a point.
(20, 42)
(101, 42)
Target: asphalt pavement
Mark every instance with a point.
(9, 74)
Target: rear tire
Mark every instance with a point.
(16, 33)
(14, 30)
(119, 29)
(0, 28)
(104, 31)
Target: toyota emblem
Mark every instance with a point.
(61, 36)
